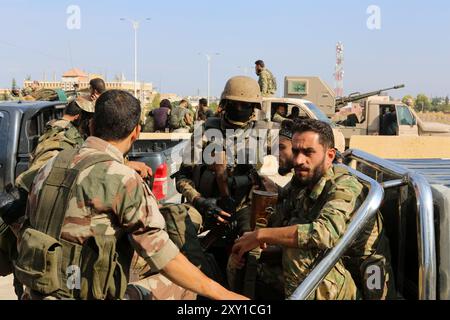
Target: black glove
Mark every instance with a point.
(207, 207)
(12, 205)
(228, 205)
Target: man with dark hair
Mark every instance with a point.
(203, 110)
(267, 81)
(96, 87)
(158, 119)
(100, 230)
(321, 200)
(280, 112)
(60, 134)
(295, 113)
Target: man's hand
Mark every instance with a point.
(244, 244)
(209, 208)
(94, 97)
(141, 168)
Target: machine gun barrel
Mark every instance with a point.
(340, 102)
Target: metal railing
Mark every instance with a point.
(366, 211)
(425, 218)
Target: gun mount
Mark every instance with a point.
(356, 96)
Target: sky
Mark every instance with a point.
(409, 44)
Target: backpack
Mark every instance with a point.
(50, 265)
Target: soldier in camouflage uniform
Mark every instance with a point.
(94, 219)
(60, 134)
(267, 81)
(182, 118)
(222, 190)
(317, 206)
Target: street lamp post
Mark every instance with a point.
(208, 59)
(135, 25)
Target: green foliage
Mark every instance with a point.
(422, 102)
(13, 84)
(406, 98)
(213, 106)
(156, 101)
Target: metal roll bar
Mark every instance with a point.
(425, 218)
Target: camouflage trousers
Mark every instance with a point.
(337, 285)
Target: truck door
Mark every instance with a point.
(407, 123)
(4, 127)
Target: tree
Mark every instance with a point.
(213, 106)
(446, 101)
(13, 84)
(28, 78)
(436, 102)
(406, 98)
(422, 102)
(156, 101)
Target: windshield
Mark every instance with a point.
(319, 114)
(404, 116)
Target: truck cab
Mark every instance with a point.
(307, 109)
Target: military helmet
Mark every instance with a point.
(85, 105)
(244, 89)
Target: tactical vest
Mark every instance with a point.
(51, 266)
(239, 182)
(72, 139)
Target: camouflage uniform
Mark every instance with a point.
(322, 216)
(178, 117)
(267, 83)
(110, 199)
(59, 135)
(318, 230)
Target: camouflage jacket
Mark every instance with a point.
(59, 135)
(267, 83)
(319, 229)
(177, 118)
(111, 198)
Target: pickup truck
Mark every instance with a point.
(408, 123)
(21, 124)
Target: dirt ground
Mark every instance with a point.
(435, 117)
